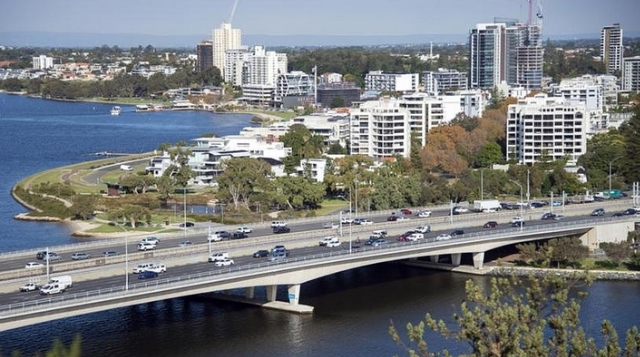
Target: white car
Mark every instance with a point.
(489, 210)
(424, 214)
(362, 221)
(402, 218)
(213, 238)
(459, 209)
(443, 237)
(29, 287)
(144, 246)
(347, 220)
(34, 265)
(415, 236)
(326, 240)
(335, 243)
(244, 230)
(224, 262)
(517, 219)
(424, 229)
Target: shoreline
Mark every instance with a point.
(264, 116)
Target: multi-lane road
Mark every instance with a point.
(302, 241)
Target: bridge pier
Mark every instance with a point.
(249, 292)
(271, 292)
(434, 258)
(478, 260)
(455, 259)
(294, 294)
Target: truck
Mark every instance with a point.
(64, 281)
(613, 194)
(482, 205)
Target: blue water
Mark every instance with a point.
(37, 134)
(352, 309)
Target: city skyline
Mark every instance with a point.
(330, 18)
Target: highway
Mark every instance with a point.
(298, 246)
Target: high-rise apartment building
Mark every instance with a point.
(546, 126)
(395, 82)
(505, 52)
(611, 49)
(225, 38)
(204, 51)
(42, 62)
(631, 74)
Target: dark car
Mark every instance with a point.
(261, 253)
(598, 212)
(40, 255)
(618, 214)
(548, 216)
(187, 224)
(239, 235)
(401, 238)
(517, 224)
(110, 253)
(456, 232)
(491, 224)
(536, 204)
(406, 212)
(283, 229)
(392, 218)
(279, 250)
(629, 212)
(147, 274)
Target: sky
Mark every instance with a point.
(309, 17)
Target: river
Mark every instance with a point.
(353, 309)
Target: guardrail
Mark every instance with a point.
(265, 267)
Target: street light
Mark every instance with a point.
(521, 203)
(611, 162)
(482, 183)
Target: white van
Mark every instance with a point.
(52, 288)
(142, 267)
(157, 268)
(64, 281)
(125, 168)
(215, 257)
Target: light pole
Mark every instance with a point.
(482, 183)
(209, 239)
(528, 192)
(521, 204)
(611, 162)
(126, 263)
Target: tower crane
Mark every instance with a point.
(233, 11)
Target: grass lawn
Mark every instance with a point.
(331, 206)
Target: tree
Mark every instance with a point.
(630, 164)
(489, 154)
(210, 76)
(242, 179)
(83, 206)
(516, 317)
(337, 102)
(617, 252)
(567, 251)
(303, 144)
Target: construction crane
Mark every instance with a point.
(233, 11)
(539, 15)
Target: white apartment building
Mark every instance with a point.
(543, 125)
(225, 38)
(334, 129)
(293, 84)
(158, 164)
(236, 61)
(42, 62)
(393, 82)
(442, 80)
(631, 74)
(208, 153)
(330, 78)
(312, 168)
(380, 129)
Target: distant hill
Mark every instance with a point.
(84, 40)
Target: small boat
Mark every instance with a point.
(116, 110)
